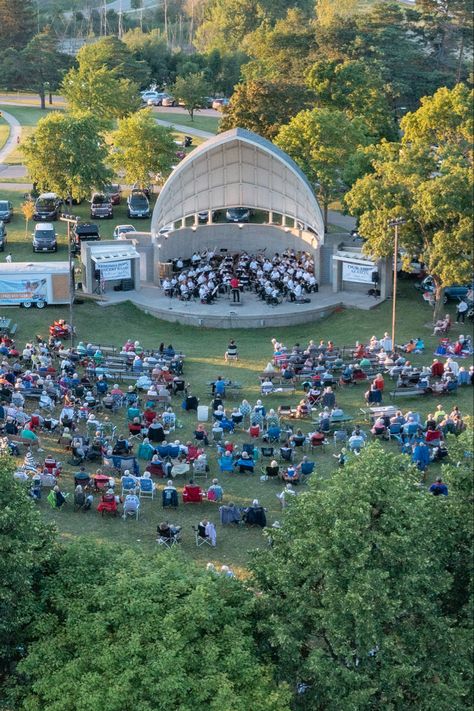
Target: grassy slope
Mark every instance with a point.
(204, 123)
(205, 349)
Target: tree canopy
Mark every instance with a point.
(154, 634)
(67, 154)
(351, 593)
(192, 91)
(263, 106)
(427, 179)
(26, 544)
(141, 148)
(17, 23)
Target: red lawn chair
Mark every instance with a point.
(108, 504)
(192, 494)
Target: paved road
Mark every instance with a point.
(13, 138)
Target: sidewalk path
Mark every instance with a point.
(13, 138)
(186, 129)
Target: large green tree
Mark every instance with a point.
(151, 48)
(226, 23)
(192, 91)
(427, 179)
(141, 148)
(358, 88)
(17, 23)
(99, 92)
(152, 634)
(351, 592)
(263, 106)
(281, 52)
(323, 142)
(117, 57)
(67, 154)
(27, 546)
(43, 66)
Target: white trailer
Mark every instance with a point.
(37, 284)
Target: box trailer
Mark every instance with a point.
(37, 284)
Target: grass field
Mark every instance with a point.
(4, 132)
(204, 349)
(204, 123)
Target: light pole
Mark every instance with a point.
(395, 223)
(70, 220)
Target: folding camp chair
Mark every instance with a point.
(200, 468)
(131, 507)
(146, 488)
(200, 535)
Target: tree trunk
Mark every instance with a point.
(460, 58)
(191, 113)
(42, 100)
(26, 227)
(439, 305)
(51, 98)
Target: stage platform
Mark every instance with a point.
(251, 313)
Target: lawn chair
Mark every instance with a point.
(129, 485)
(202, 536)
(200, 468)
(226, 464)
(108, 505)
(131, 507)
(267, 452)
(170, 540)
(192, 494)
(339, 437)
(169, 498)
(146, 488)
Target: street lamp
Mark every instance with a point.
(395, 223)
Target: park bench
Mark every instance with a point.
(406, 392)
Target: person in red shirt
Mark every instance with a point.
(437, 369)
(235, 287)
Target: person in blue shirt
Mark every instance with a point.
(439, 488)
(421, 456)
(219, 386)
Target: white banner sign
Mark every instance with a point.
(115, 270)
(361, 273)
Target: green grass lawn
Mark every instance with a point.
(204, 123)
(204, 349)
(4, 132)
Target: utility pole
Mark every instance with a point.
(395, 223)
(120, 22)
(70, 220)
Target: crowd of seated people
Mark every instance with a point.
(48, 388)
(286, 275)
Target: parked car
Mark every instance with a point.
(451, 293)
(83, 232)
(165, 230)
(101, 206)
(44, 238)
(122, 230)
(220, 104)
(203, 216)
(114, 192)
(147, 189)
(138, 204)
(158, 99)
(6, 210)
(168, 101)
(237, 214)
(3, 236)
(47, 207)
(150, 95)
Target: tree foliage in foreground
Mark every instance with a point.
(119, 631)
(25, 544)
(427, 179)
(67, 154)
(352, 594)
(141, 148)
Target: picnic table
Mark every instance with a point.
(372, 413)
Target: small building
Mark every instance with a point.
(110, 265)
